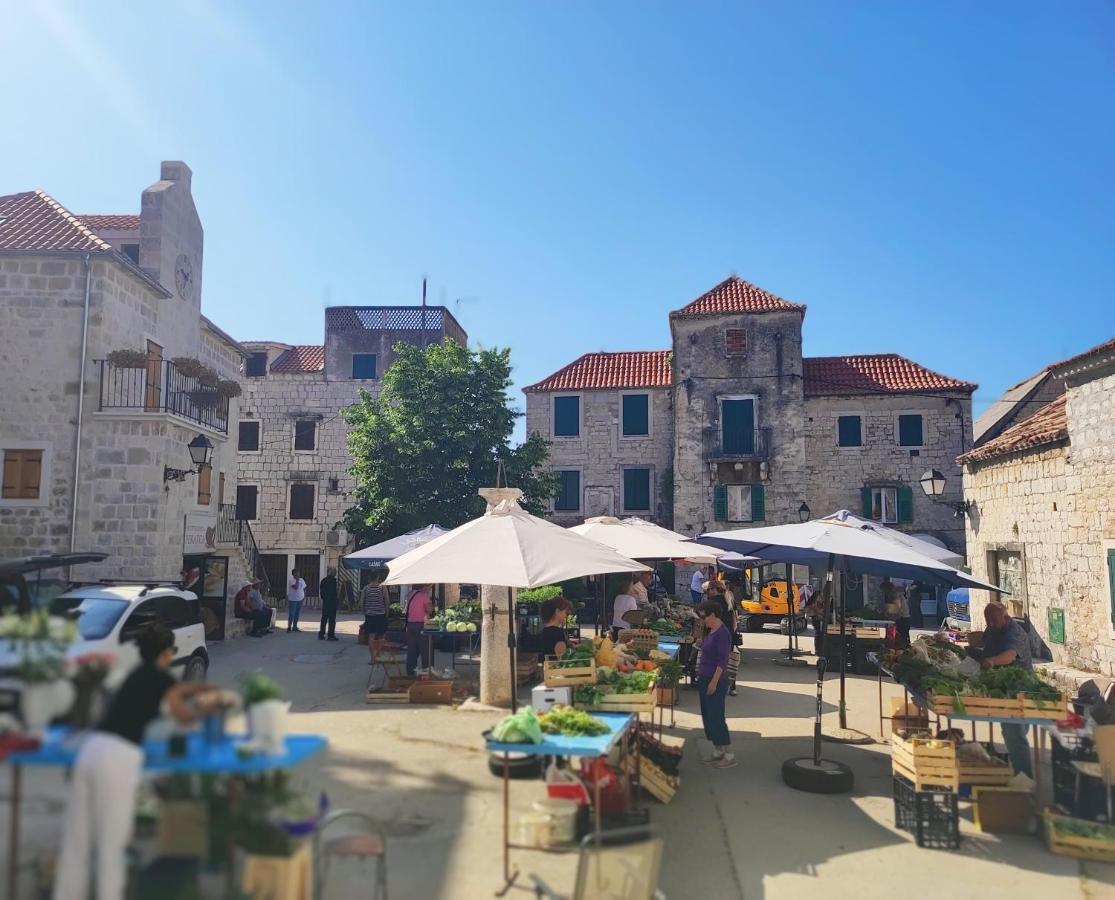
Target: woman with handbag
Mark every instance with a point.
(419, 608)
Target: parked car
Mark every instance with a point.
(958, 615)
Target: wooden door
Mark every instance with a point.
(154, 394)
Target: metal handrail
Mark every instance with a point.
(231, 530)
(158, 386)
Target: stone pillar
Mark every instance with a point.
(497, 681)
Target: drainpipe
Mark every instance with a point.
(80, 399)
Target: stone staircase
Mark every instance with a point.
(236, 538)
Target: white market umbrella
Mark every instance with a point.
(379, 555)
(640, 539)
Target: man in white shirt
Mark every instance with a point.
(295, 594)
(696, 586)
(625, 605)
(639, 587)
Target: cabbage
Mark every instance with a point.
(521, 728)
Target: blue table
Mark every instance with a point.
(59, 749)
(620, 725)
(671, 647)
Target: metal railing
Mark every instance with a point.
(760, 447)
(158, 387)
(231, 530)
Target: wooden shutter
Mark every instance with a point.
(737, 426)
(247, 498)
(1111, 581)
(720, 503)
(567, 416)
(301, 501)
(22, 477)
(905, 504)
(758, 503)
(636, 414)
(204, 485)
(865, 496)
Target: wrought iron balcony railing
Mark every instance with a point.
(158, 387)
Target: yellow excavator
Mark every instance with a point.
(771, 607)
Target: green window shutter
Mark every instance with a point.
(850, 431)
(636, 414)
(910, 432)
(758, 503)
(737, 426)
(720, 503)
(905, 504)
(567, 416)
(1111, 580)
(569, 491)
(865, 497)
(636, 490)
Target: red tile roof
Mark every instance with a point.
(883, 373)
(299, 360)
(630, 369)
(734, 295)
(36, 221)
(1048, 425)
(111, 221)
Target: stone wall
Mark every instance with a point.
(1057, 506)
(837, 474)
(601, 451)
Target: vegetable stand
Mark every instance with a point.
(620, 728)
(59, 749)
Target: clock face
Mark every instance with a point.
(184, 276)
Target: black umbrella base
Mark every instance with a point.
(825, 776)
(847, 736)
(786, 651)
(791, 661)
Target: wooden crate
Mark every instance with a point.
(554, 675)
(637, 703)
(658, 784)
(526, 670)
(1050, 710)
(1099, 849)
(991, 707)
(985, 773)
(436, 692)
(925, 766)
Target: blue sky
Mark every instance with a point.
(936, 180)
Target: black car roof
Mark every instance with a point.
(11, 567)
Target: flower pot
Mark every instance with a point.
(41, 701)
(267, 725)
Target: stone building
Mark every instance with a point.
(88, 445)
(734, 426)
(294, 483)
(1041, 521)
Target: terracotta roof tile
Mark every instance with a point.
(299, 360)
(36, 221)
(1047, 426)
(883, 373)
(594, 371)
(734, 295)
(111, 221)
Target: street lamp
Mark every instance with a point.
(804, 512)
(201, 451)
(933, 484)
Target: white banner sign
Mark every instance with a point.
(200, 535)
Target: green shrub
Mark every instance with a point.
(539, 595)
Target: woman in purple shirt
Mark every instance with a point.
(712, 685)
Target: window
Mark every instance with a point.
(636, 415)
(636, 490)
(737, 426)
(248, 441)
(23, 470)
(305, 435)
(849, 431)
(735, 341)
(739, 503)
(910, 430)
(569, 491)
(247, 502)
(131, 251)
(204, 485)
(567, 416)
(888, 504)
(256, 366)
(1008, 571)
(301, 501)
(175, 612)
(364, 366)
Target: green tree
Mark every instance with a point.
(433, 437)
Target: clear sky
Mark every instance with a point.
(933, 179)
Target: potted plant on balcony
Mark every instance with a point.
(127, 359)
(228, 388)
(189, 366)
(204, 398)
(39, 642)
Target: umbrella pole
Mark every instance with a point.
(844, 734)
(511, 648)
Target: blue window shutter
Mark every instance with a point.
(865, 496)
(1111, 580)
(569, 491)
(758, 503)
(905, 504)
(636, 414)
(720, 503)
(910, 432)
(850, 431)
(737, 426)
(636, 490)
(567, 416)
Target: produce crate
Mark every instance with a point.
(554, 675)
(933, 817)
(526, 670)
(665, 752)
(985, 773)
(1050, 710)
(925, 766)
(990, 707)
(656, 782)
(641, 640)
(636, 703)
(1098, 845)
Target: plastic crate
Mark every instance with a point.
(933, 817)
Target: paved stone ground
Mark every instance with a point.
(731, 833)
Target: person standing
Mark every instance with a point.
(420, 606)
(373, 599)
(295, 594)
(639, 587)
(1006, 644)
(696, 587)
(712, 685)
(101, 806)
(625, 612)
(553, 640)
(327, 590)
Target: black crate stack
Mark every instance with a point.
(933, 817)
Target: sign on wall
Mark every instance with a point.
(1056, 628)
(200, 534)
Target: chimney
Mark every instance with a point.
(175, 170)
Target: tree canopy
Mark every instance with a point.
(433, 437)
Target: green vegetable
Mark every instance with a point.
(521, 728)
(258, 687)
(572, 722)
(588, 694)
(664, 626)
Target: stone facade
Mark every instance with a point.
(1051, 506)
(313, 384)
(133, 422)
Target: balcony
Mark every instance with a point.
(158, 387)
(758, 451)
